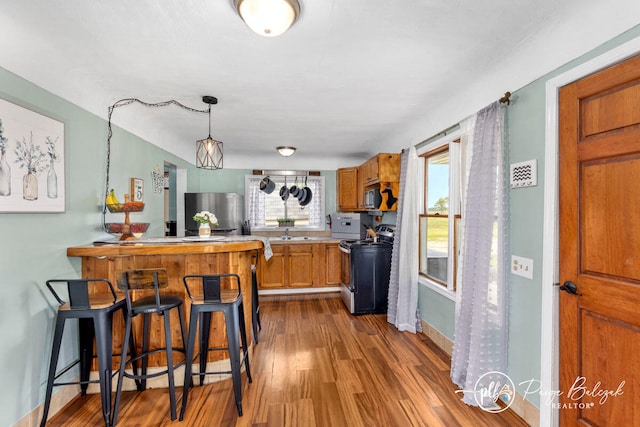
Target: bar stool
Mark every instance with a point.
(95, 315)
(214, 299)
(149, 281)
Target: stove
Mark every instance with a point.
(366, 266)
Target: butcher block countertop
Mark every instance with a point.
(168, 246)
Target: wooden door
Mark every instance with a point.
(600, 248)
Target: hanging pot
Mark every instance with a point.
(307, 198)
(267, 185)
(302, 194)
(284, 191)
(295, 191)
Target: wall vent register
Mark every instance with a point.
(524, 174)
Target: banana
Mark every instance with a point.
(111, 198)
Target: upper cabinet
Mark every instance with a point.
(372, 186)
(347, 189)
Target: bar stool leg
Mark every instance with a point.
(123, 362)
(243, 337)
(53, 363)
(169, 352)
(103, 333)
(205, 328)
(232, 324)
(193, 323)
(145, 348)
(86, 334)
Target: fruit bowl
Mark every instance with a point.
(135, 230)
(125, 207)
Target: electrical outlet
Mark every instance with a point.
(522, 266)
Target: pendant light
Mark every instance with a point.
(268, 18)
(209, 151)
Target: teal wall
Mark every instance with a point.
(525, 125)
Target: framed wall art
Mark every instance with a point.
(137, 190)
(31, 161)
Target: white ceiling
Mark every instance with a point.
(349, 79)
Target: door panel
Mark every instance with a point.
(600, 248)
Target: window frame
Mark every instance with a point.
(450, 142)
(321, 197)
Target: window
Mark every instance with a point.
(263, 210)
(440, 216)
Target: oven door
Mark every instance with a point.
(346, 291)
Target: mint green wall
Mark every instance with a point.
(525, 127)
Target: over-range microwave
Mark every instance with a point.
(372, 199)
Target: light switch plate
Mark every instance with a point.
(522, 266)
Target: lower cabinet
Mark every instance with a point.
(298, 265)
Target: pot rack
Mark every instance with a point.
(285, 172)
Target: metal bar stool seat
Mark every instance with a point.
(149, 280)
(229, 302)
(95, 316)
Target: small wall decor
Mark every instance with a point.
(157, 177)
(31, 161)
(137, 190)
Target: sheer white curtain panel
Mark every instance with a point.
(403, 283)
(481, 329)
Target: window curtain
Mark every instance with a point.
(256, 202)
(403, 282)
(481, 329)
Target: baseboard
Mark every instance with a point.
(525, 410)
(292, 291)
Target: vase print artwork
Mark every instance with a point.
(32, 161)
(29, 157)
(5, 169)
(5, 175)
(30, 187)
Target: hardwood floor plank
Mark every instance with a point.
(318, 366)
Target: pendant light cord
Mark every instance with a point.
(122, 103)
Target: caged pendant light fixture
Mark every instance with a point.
(268, 18)
(209, 151)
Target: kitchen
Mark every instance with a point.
(34, 244)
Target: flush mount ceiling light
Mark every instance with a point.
(269, 18)
(286, 151)
(208, 150)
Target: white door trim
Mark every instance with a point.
(550, 261)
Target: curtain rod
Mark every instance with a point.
(503, 100)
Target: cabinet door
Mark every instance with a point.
(347, 183)
(273, 273)
(388, 167)
(300, 266)
(332, 265)
(360, 190)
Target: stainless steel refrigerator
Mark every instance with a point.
(227, 207)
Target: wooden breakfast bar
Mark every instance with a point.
(179, 257)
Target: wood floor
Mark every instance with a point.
(316, 365)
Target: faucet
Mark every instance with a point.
(286, 234)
